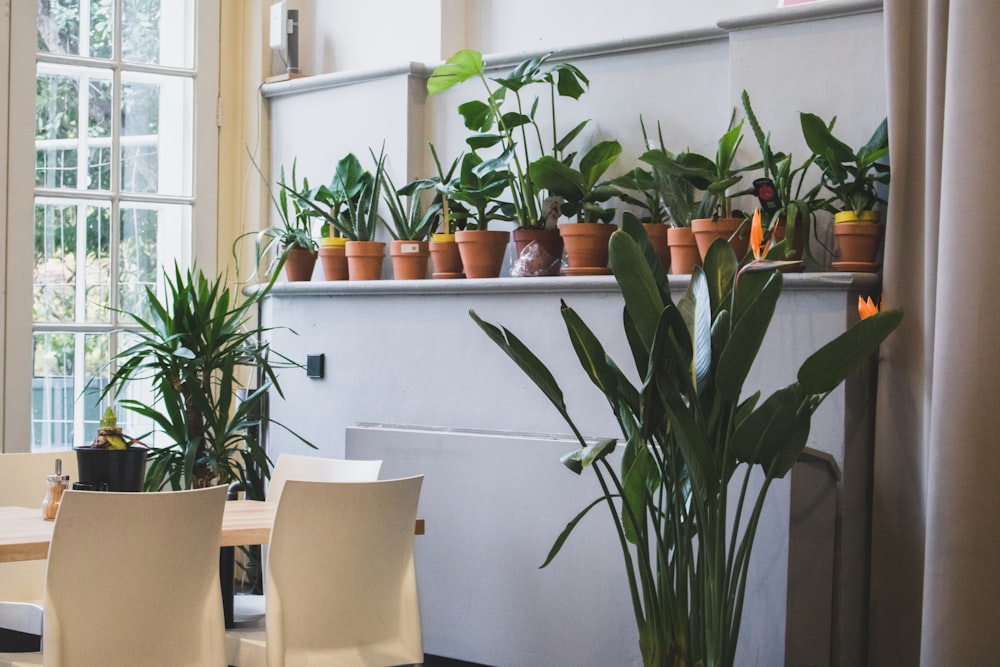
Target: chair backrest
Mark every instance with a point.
(22, 483)
(341, 586)
(133, 578)
(318, 469)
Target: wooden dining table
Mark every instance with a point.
(25, 535)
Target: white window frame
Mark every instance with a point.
(17, 145)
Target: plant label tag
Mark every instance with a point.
(409, 248)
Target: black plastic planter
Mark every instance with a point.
(119, 469)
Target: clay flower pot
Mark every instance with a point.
(482, 252)
(364, 259)
(409, 259)
(858, 239)
(446, 259)
(586, 248)
(299, 264)
(332, 258)
(684, 255)
(707, 230)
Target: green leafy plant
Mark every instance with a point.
(409, 221)
(294, 229)
(714, 177)
(788, 199)
(477, 191)
(193, 349)
(851, 177)
(516, 132)
(688, 427)
(350, 204)
(580, 190)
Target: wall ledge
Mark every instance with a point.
(826, 9)
(549, 285)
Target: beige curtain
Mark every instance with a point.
(936, 514)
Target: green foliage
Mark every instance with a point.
(193, 349)
(515, 132)
(477, 190)
(410, 221)
(797, 204)
(579, 189)
(850, 176)
(349, 205)
(687, 429)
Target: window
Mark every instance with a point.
(119, 112)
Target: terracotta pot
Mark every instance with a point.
(657, 234)
(333, 259)
(538, 252)
(858, 240)
(684, 255)
(482, 252)
(409, 259)
(707, 230)
(445, 256)
(364, 259)
(299, 264)
(586, 248)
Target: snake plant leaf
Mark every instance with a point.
(696, 309)
(746, 338)
(579, 459)
(830, 365)
(720, 269)
(528, 362)
(564, 535)
(461, 66)
(642, 295)
(776, 426)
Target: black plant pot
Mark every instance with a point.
(119, 469)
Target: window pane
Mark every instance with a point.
(55, 167)
(59, 26)
(97, 276)
(152, 236)
(146, 25)
(156, 144)
(57, 99)
(55, 262)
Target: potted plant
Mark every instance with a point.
(715, 217)
(788, 207)
(691, 431)
(852, 177)
(514, 130)
(582, 196)
(445, 256)
(290, 242)
(111, 462)
(331, 202)
(482, 249)
(192, 349)
(410, 227)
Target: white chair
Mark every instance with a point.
(22, 483)
(248, 610)
(133, 579)
(341, 585)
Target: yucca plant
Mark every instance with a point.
(693, 437)
(410, 220)
(193, 347)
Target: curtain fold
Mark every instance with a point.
(935, 596)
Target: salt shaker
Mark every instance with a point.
(56, 484)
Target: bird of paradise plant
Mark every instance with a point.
(688, 429)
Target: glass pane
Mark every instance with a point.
(55, 262)
(158, 32)
(152, 236)
(55, 167)
(52, 390)
(57, 99)
(96, 354)
(102, 28)
(156, 144)
(58, 24)
(97, 277)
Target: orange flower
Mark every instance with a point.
(757, 238)
(866, 308)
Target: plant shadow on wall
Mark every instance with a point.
(193, 348)
(688, 428)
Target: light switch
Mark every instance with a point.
(314, 366)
